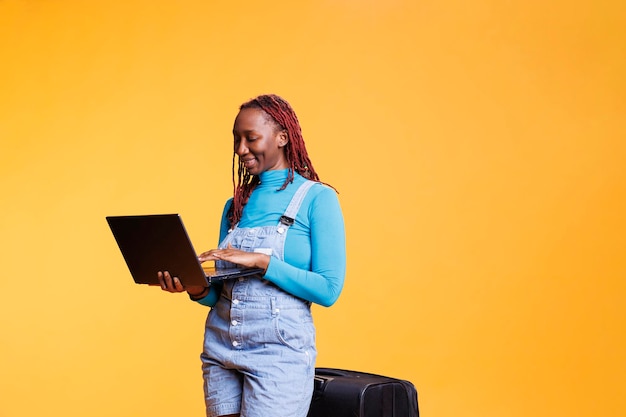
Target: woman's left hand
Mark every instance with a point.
(236, 256)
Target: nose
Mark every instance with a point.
(240, 147)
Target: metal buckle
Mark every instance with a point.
(287, 221)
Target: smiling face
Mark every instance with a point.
(259, 142)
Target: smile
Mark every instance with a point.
(248, 162)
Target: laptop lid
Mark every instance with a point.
(159, 242)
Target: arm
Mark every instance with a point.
(215, 289)
(324, 282)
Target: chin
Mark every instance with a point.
(253, 171)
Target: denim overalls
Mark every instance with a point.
(259, 340)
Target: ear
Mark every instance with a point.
(283, 139)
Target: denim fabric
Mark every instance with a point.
(259, 344)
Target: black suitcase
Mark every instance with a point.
(343, 393)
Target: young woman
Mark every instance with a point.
(259, 344)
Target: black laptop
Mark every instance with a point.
(159, 242)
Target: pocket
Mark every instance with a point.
(294, 329)
(258, 239)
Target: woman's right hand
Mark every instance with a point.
(173, 284)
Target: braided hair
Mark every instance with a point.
(282, 115)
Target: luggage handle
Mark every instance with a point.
(325, 375)
(319, 384)
(332, 372)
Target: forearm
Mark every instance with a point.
(320, 288)
(213, 294)
(323, 280)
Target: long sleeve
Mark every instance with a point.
(323, 283)
(314, 264)
(215, 289)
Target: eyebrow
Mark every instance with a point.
(247, 131)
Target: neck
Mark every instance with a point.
(275, 177)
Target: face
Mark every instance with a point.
(259, 142)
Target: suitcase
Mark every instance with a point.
(343, 393)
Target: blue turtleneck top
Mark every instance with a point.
(315, 250)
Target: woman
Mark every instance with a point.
(259, 344)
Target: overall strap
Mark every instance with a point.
(289, 216)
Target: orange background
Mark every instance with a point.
(479, 152)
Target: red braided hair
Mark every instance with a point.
(280, 112)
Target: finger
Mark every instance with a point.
(161, 282)
(208, 256)
(177, 284)
(167, 278)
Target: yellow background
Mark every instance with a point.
(478, 148)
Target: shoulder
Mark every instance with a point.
(322, 196)
(320, 187)
(229, 201)
(317, 188)
(227, 205)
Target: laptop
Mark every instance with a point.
(159, 242)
